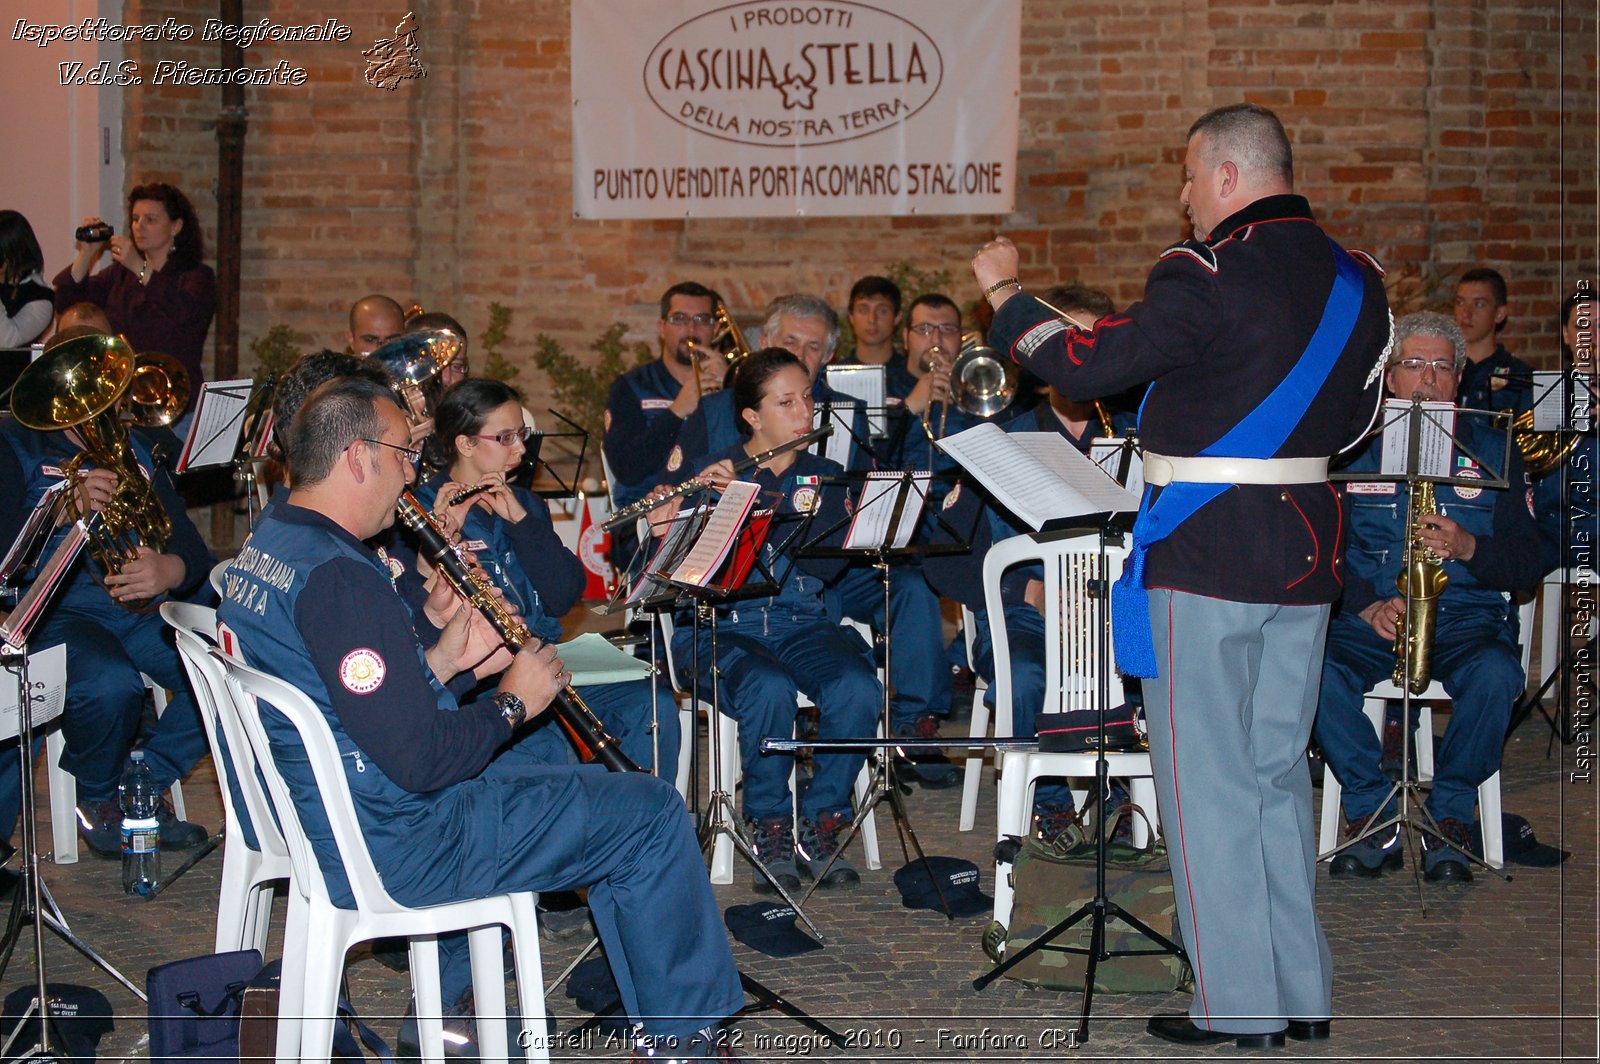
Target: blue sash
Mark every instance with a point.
(1258, 435)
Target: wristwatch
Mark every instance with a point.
(512, 708)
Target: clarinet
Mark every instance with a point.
(583, 728)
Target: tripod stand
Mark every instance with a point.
(1100, 910)
(34, 907)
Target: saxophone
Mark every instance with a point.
(1424, 578)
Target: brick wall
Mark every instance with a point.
(1436, 133)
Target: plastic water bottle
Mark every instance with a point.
(141, 831)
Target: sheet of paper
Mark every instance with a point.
(672, 541)
(867, 384)
(1550, 401)
(869, 526)
(716, 539)
(1038, 476)
(218, 419)
(593, 659)
(47, 689)
(838, 446)
(1437, 428)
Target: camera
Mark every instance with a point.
(94, 234)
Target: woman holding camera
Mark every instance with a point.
(25, 310)
(157, 292)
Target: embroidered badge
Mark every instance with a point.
(1499, 379)
(362, 671)
(1370, 487)
(654, 404)
(805, 499)
(395, 567)
(675, 459)
(950, 500)
(475, 545)
(803, 482)
(1463, 492)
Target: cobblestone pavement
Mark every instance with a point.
(1499, 969)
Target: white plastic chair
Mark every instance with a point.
(63, 786)
(320, 933)
(249, 874)
(973, 770)
(731, 768)
(218, 584)
(1375, 705)
(1075, 592)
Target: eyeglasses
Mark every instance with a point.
(1418, 365)
(506, 437)
(413, 455)
(928, 328)
(681, 319)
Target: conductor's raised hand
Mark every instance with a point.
(994, 262)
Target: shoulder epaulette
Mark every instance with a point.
(1195, 249)
(1369, 258)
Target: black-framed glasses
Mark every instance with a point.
(681, 319)
(506, 437)
(929, 328)
(413, 454)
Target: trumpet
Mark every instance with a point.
(981, 383)
(634, 511)
(584, 729)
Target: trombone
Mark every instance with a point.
(727, 343)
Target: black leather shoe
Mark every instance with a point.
(1182, 1030)
(1309, 1030)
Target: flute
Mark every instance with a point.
(583, 728)
(638, 509)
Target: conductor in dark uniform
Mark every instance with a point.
(1264, 340)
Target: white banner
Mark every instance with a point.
(777, 108)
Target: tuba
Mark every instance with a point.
(77, 385)
(1424, 579)
(414, 362)
(1542, 452)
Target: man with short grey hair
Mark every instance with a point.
(1485, 540)
(1260, 336)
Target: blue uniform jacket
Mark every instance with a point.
(640, 431)
(311, 604)
(31, 462)
(1221, 325)
(1500, 382)
(1505, 559)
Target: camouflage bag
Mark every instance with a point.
(1054, 879)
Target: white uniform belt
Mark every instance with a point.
(1160, 470)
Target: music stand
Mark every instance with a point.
(34, 904)
(887, 518)
(232, 424)
(1411, 460)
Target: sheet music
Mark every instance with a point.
(16, 628)
(39, 521)
(218, 418)
(679, 533)
(711, 549)
(1438, 426)
(1038, 476)
(1106, 452)
(47, 683)
(867, 384)
(837, 447)
(1549, 401)
(869, 528)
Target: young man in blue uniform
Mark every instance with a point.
(1261, 336)
(446, 818)
(647, 406)
(1485, 539)
(1494, 378)
(108, 644)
